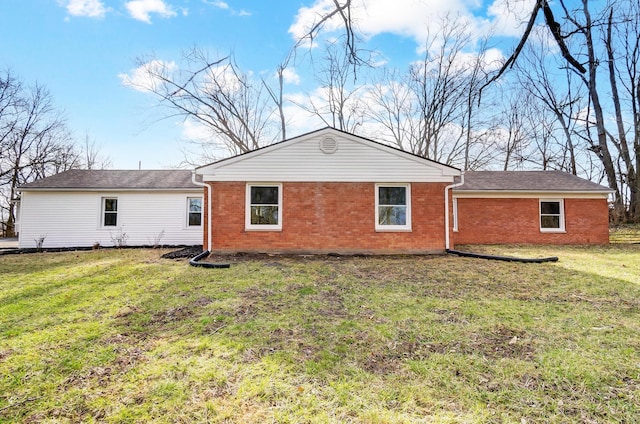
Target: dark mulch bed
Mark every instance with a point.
(187, 252)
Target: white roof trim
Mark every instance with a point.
(503, 194)
(114, 189)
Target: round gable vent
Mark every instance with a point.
(328, 145)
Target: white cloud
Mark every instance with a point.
(420, 20)
(510, 17)
(220, 4)
(141, 78)
(196, 131)
(87, 8)
(410, 18)
(225, 6)
(142, 9)
(291, 76)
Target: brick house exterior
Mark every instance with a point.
(508, 207)
(330, 191)
(324, 192)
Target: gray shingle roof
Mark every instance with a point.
(83, 179)
(527, 181)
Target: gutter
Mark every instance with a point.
(209, 201)
(446, 210)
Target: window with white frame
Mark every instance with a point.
(264, 207)
(110, 211)
(194, 211)
(393, 207)
(551, 215)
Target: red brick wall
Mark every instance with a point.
(327, 217)
(516, 221)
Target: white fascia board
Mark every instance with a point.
(109, 190)
(380, 179)
(495, 194)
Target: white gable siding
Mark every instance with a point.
(73, 219)
(355, 160)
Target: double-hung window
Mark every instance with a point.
(551, 215)
(393, 207)
(264, 207)
(194, 211)
(110, 211)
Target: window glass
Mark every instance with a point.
(195, 211)
(264, 210)
(264, 215)
(392, 195)
(264, 195)
(551, 215)
(110, 212)
(550, 208)
(393, 207)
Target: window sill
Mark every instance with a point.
(553, 231)
(393, 230)
(263, 229)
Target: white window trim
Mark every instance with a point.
(397, 228)
(188, 212)
(103, 201)
(455, 214)
(248, 226)
(551, 230)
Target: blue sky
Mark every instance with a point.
(80, 50)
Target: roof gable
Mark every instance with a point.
(327, 155)
(85, 179)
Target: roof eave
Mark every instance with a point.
(532, 193)
(112, 189)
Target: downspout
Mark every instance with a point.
(447, 244)
(209, 201)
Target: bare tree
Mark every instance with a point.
(392, 107)
(557, 89)
(431, 110)
(215, 94)
(34, 141)
(338, 102)
(91, 156)
(622, 43)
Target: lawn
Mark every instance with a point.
(124, 336)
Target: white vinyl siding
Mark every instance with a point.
(354, 160)
(393, 207)
(74, 219)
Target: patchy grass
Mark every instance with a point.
(122, 336)
(628, 233)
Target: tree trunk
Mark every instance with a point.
(602, 147)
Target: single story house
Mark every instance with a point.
(83, 208)
(530, 207)
(322, 192)
(331, 191)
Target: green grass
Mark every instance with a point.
(123, 336)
